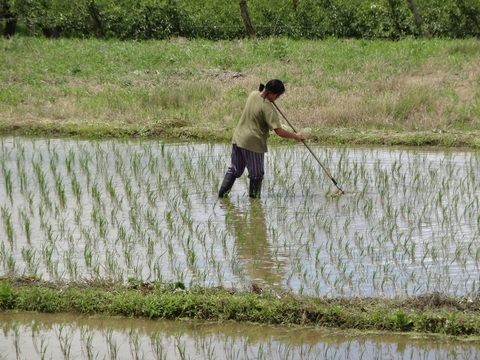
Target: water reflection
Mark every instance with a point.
(64, 336)
(252, 245)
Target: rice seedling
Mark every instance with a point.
(31, 262)
(16, 339)
(158, 348)
(42, 349)
(112, 346)
(7, 175)
(135, 345)
(7, 222)
(86, 337)
(65, 341)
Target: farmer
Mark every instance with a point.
(249, 142)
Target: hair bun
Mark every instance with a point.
(261, 87)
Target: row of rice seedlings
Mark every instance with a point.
(149, 210)
(95, 339)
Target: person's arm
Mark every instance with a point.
(288, 135)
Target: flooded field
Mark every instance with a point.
(408, 225)
(39, 336)
(119, 210)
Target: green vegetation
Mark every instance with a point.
(434, 313)
(218, 19)
(410, 92)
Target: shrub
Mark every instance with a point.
(217, 19)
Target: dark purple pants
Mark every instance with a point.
(253, 161)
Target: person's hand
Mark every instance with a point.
(299, 136)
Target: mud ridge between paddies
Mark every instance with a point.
(433, 313)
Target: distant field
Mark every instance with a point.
(410, 92)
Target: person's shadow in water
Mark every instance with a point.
(252, 247)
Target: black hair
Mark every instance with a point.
(274, 86)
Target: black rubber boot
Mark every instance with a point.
(255, 188)
(227, 184)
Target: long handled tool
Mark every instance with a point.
(340, 191)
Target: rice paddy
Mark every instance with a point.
(123, 210)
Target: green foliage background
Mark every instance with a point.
(221, 19)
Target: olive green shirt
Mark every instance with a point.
(259, 117)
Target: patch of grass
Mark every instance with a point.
(410, 85)
(433, 313)
(412, 101)
(468, 47)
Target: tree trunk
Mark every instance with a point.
(10, 27)
(246, 19)
(10, 22)
(97, 24)
(416, 15)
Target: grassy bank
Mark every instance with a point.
(432, 313)
(411, 92)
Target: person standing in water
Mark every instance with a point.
(249, 141)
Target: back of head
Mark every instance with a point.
(274, 86)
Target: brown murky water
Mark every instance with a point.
(39, 336)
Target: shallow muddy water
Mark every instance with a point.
(408, 225)
(39, 336)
